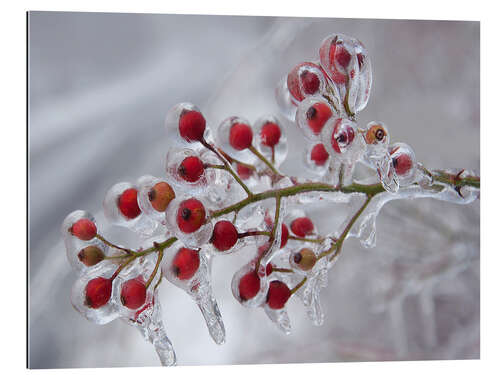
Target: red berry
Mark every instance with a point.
(307, 80)
(302, 226)
(270, 134)
(185, 264)
(249, 286)
(342, 56)
(317, 115)
(240, 136)
(319, 155)
(127, 203)
(243, 171)
(277, 295)
(84, 229)
(339, 78)
(192, 125)
(224, 236)
(98, 292)
(190, 215)
(284, 235)
(91, 255)
(402, 164)
(269, 269)
(133, 294)
(160, 196)
(191, 169)
(341, 137)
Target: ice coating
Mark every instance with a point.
(270, 137)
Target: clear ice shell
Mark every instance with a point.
(276, 154)
(222, 138)
(260, 297)
(150, 324)
(102, 315)
(144, 186)
(286, 103)
(172, 126)
(311, 165)
(194, 239)
(280, 318)
(397, 149)
(199, 289)
(295, 214)
(301, 117)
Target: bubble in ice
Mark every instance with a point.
(271, 139)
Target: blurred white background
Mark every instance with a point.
(100, 85)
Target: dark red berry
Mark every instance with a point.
(160, 196)
(98, 292)
(249, 286)
(269, 269)
(319, 155)
(191, 169)
(270, 134)
(133, 294)
(342, 56)
(91, 255)
(185, 264)
(224, 235)
(192, 126)
(240, 136)
(243, 171)
(339, 78)
(277, 295)
(341, 138)
(190, 215)
(127, 203)
(84, 229)
(284, 235)
(402, 164)
(307, 82)
(302, 226)
(317, 115)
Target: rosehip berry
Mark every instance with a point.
(190, 215)
(240, 136)
(192, 126)
(249, 286)
(185, 264)
(342, 136)
(98, 292)
(84, 229)
(402, 164)
(341, 55)
(284, 235)
(127, 203)
(339, 78)
(269, 269)
(270, 134)
(160, 196)
(277, 295)
(224, 235)
(133, 294)
(244, 172)
(319, 155)
(191, 169)
(306, 82)
(317, 115)
(375, 134)
(305, 259)
(302, 226)
(91, 255)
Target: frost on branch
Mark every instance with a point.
(224, 191)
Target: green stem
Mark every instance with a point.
(157, 265)
(298, 286)
(101, 238)
(313, 240)
(264, 160)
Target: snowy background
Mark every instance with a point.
(100, 85)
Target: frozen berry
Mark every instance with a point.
(185, 264)
(375, 134)
(284, 235)
(84, 229)
(319, 155)
(98, 292)
(190, 215)
(91, 255)
(339, 78)
(305, 259)
(263, 248)
(341, 55)
(127, 203)
(270, 134)
(317, 115)
(243, 171)
(249, 286)
(191, 169)
(302, 226)
(342, 136)
(224, 235)
(304, 79)
(402, 164)
(277, 295)
(133, 294)
(269, 269)
(192, 126)
(240, 136)
(160, 195)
